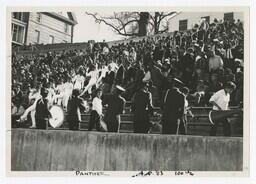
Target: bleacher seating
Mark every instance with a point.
(199, 125)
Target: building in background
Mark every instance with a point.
(42, 27)
(186, 20)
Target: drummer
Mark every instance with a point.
(115, 107)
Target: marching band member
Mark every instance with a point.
(51, 94)
(68, 88)
(102, 75)
(173, 109)
(33, 96)
(109, 79)
(60, 93)
(96, 112)
(75, 105)
(142, 107)
(115, 107)
(187, 110)
(42, 110)
(94, 75)
(220, 101)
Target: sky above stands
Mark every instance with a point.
(88, 29)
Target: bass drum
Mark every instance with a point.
(57, 116)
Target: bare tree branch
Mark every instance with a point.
(118, 29)
(165, 15)
(127, 23)
(163, 31)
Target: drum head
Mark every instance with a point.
(57, 116)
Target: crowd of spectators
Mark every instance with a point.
(203, 58)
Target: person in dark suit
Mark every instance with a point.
(120, 73)
(158, 81)
(173, 109)
(115, 106)
(108, 80)
(187, 66)
(42, 112)
(141, 108)
(75, 106)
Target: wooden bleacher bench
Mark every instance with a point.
(200, 125)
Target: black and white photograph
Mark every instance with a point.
(139, 92)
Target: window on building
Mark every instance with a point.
(183, 25)
(229, 16)
(18, 33)
(18, 16)
(51, 39)
(207, 18)
(66, 27)
(37, 36)
(38, 17)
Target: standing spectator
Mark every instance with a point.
(187, 65)
(108, 80)
(18, 93)
(133, 55)
(215, 62)
(115, 106)
(142, 107)
(183, 120)
(173, 109)
(96, 113)
(42, 112)
(78, 80)
(220, 101)
(74, 108)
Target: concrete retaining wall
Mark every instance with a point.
(53, 150)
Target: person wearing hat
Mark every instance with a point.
(96, 112)
(115, 106)
(173, 108)
(141, 108)
(75, 105)
(42, 112)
